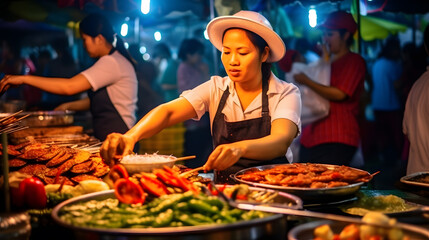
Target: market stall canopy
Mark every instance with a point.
(376, 28)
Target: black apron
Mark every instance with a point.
(105, 117)
(229, 132)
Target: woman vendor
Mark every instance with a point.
(254, 116)
(111, 82)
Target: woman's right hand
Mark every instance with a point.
(10, 81)
(115, 146)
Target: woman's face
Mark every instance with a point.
(241, 59)
(89, 45)
(334, 40)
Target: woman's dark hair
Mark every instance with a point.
(190, 46)
(391, 49)
(161, 50)
(260, 44)
(95, 24)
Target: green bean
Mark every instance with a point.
(202, 207)
(163, 219)
(201, 218)
(145, 221)
(188, 221)
(215, 201)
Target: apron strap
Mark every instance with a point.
(265, 110)
(222, 102)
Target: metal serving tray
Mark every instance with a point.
(306, 194)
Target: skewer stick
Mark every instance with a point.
(184, 174)
(19, 119)
(185, 158)
(11, 115)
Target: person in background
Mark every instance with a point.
(148, 97)
(335, 138)
(111, 82)
(13, 63)
(192, 72)
(415, 123)
(254, 115)
(167, 71)
(385, 101)
(64, 65)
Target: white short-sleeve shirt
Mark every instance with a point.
(117, 74)
(284, 101)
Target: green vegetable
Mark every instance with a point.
(202, 207)
(55, 198)
(180, 209)
(163, 219)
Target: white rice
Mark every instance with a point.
(147, 158)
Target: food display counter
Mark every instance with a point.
(65, 173)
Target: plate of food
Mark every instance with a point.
(176, 215)
(310, 181)
(324, 229)
(389, 204)
(420, 179)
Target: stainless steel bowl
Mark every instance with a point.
(272, 227)
(305, 231)
(308, 195)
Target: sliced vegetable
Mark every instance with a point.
(129, 192)
(181, 182)
(166, 177)
(186, 185)
(117, 172)
(153, 186)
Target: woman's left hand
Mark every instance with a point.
(115, 146)
(224, 156)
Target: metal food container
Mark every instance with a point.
(308, 195)
(305, 231)
(272, 227)
(47, 118)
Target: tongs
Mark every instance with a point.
(284, 209)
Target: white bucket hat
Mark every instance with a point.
(251, 21)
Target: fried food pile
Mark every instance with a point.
(306, 175)
(56, 164)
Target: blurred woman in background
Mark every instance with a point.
(111, 82)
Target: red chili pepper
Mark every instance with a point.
(32, 193)
(186, 185)
(153, 186)
(223, 187)
(117, 172)
(166, 177)
(241, 197)
(171, 177)
(212, 190)
(129, 192)
(169, 170)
